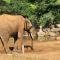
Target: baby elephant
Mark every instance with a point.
(10, 24)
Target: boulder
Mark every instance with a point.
(58, 38)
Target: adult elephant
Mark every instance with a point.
(10, 24)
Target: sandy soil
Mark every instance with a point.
(49, 50)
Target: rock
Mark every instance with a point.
(11, 42)
(41, 34)
(58, 38)
(58, 25)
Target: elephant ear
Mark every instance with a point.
(27, 25)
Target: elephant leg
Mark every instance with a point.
(5, 45)
(15, 46)
(18, 45)
(6, 48)
(2, 50)
(19, 42)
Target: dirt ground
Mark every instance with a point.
(48, 50)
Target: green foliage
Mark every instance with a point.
(38, 11)
(7, 1)
(46, 17)
(58, 2)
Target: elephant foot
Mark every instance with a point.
(8, 51)
(5, 51)
(2, 52)
(17, 50)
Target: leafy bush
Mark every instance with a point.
(38, 11)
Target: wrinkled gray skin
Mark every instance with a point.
(10, 24)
